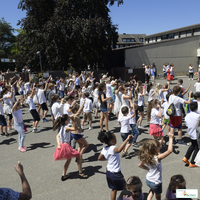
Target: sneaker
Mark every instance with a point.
(82, 127)
(174, 141)
(135, 144)
(2, 134)
(192, 78)
(43, 120)
(192, 165)
(90, 127)
(181, 142)
(9, 128)
(46, 120)
(185, 160)
(124, 154)
(35, 130)
(140, 126)
(7, 135)
(22, 149)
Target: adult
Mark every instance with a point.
(191, 71)
(147, 73)
(199, 70)
(153, 74)
(170, 76)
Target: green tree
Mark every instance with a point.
(66, 32)
(7, 38)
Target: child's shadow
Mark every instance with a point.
(132, 154)
(90, 171)
(39, 145)
(93, 147)
(8, 141)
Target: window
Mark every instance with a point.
(188, 33)
(141, 39)
(132, 40)
(163, 37)
(123, 40)
(197, 31)
(176, 36)
(146, 41)
(183, 34)
(158, 39)
(171, 35)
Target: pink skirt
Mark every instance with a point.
(65, 152)
(155, 130)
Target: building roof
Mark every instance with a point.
(136, 37)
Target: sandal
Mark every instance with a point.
(64, 178)
(124, 154)
(81, 175)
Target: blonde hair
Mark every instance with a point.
(157, 88)
(148, 151)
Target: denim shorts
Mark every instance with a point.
(21, 93)
(104, 110)
(124, 136)
(157, 188)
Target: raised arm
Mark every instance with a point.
(15, 105)
(119, 149)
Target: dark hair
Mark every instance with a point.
(4, 90)
(40, 85)
(60, 121)
(86, 94)
(175, 181)
(149, 108)
(149, 86)
(193, 106)
(180, 81)
(176, 89)
(29, 92)
(167, 96)
(133, 180)
(196, 95)
(104, 137)
(87, 84)
(74, 108)
(124, 110)
(101, 87)
(54, 97)
(95, 86)
(69, 97)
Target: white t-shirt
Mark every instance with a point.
(96, 93)
(88, 106)
(112, 157)
(62, 87)
(27, 86)
(176, 101)
(140, 100)
(6, 100)
(165, 107)
(57, 109)
(154, 118)
(133, 119)
(197, 85)
(191, 121)
(124, 121)
(17, 116)
(30, 103)
(65, 137)
(160, 96)
(108, 90)
(66, 108)
(191, 69)
(41, 96)
(165, 94)
(155, 172)
(150, 93)
(198, 111)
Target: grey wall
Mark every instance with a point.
(180, 52)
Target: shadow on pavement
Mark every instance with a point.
(39, 145)
(8, 141)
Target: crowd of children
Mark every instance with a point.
(110, 95)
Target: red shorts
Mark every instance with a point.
(175, 122)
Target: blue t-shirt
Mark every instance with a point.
(152, 72)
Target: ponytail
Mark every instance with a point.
(60, 121)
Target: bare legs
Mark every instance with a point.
(104, 116)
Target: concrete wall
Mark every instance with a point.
(180, 52)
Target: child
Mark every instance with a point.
(3, 121)
(124, 132)
(132, 123)
(151, 161)
(87, 111)
(154, 115)
(141, 105)
(64, 150)
(110, 152)
(76, 123)
(32, 108)
(176, 182)
(197, 85)
(21, 90)
(7, 108)
(95, 97)
(133, 189)
(150, 91)
(165, 121)
(56, 107)
(42, 100)
(61, 88)
(103, 106)
(19, 125)
(191, 121)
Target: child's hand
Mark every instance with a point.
(19, 168)
(170, 135)
(130, 137)
(58, 146)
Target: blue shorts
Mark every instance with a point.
(76, 136)
(21, 92)
(157, 188)
(113, 97)
(61, 93)
(104, 110)
(3, 120)
(115, 180)
(124, 136)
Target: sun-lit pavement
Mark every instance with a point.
(43, 173)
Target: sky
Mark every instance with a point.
(134, 16)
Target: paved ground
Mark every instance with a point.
(44, 173)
